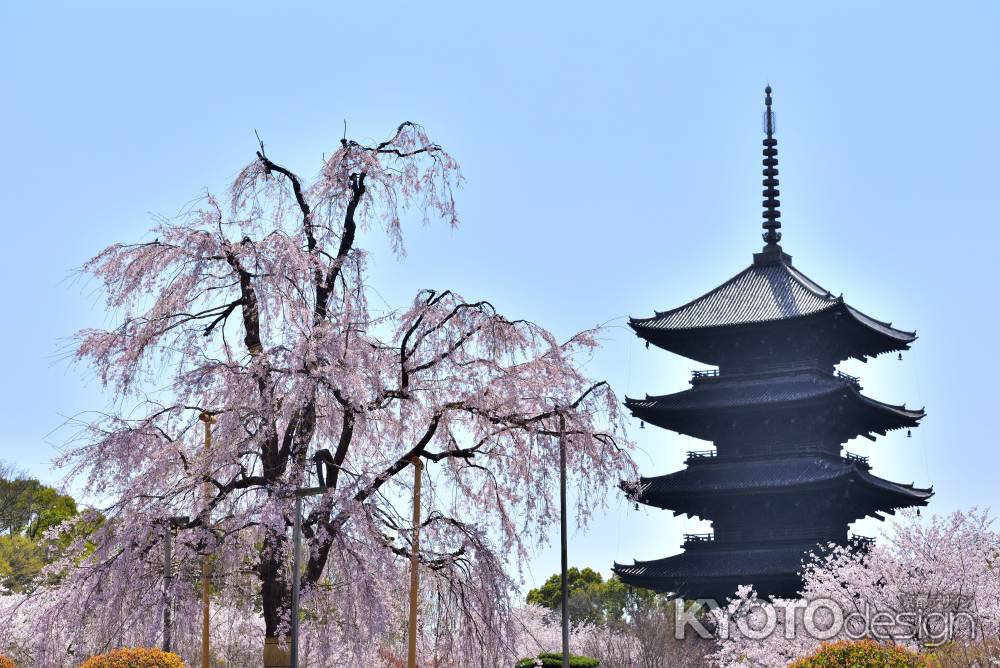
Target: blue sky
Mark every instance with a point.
(612, 157)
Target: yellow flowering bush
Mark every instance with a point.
(867, 653)
(134, 657)
(6, 663)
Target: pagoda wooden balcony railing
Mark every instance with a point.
(700, 455)
(773, 368)
(819, 534)
(699, 375)
(697, 539)
(757, 450)
(851, 457)
(861, 543)
(853, 380)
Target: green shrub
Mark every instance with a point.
(554, 660)
(867, 653)
(966, 654)
(135, 657)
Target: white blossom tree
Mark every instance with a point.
(256, 311)
(932, 584)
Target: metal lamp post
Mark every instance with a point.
(563, 544)
(297, 567)
(321, 457)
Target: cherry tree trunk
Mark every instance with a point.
(275, 595)
(276, 656)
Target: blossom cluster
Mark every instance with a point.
(930, 583)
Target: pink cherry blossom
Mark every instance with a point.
(256, 310)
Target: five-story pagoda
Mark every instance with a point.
(778, 413)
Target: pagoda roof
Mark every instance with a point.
(763, 292)
(736, 562)
(721, 395)
(673, 490)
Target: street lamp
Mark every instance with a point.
(563, 548)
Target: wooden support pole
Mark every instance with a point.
(168, 577)
(296, 580)
(208, 420)
(411, 655)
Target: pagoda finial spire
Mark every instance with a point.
(771, 203)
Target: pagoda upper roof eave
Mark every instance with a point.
(644, 326)
(864, 476)
(884, 337)
(880, 326)
(760, 295)
(896, 495)
(756, 294)
(653, 408)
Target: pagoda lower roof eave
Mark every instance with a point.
(724, 562)
(676, 491)
(717, 589)
(687, 411)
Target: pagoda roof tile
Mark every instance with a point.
(769, 474)
(723, 394)
(723, 563)
(760, 293)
